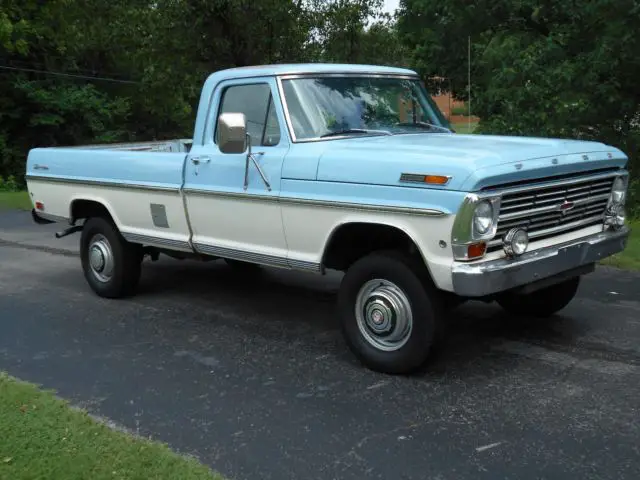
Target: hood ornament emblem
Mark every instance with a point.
(566, 206)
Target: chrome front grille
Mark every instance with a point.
(550, 210)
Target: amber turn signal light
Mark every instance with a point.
(476, 250)
(436, 179)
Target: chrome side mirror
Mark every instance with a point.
(232, 133)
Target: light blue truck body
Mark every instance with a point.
(414, 214)
(354, 170)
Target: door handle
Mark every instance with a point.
(198, 160)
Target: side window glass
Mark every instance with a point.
(256, 103)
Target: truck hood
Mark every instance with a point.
(472, 161)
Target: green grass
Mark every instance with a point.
(463, 127)
(14, 200)
(462, 110)
(43, 437)
(629, 258)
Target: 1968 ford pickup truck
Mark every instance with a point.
(350, 168)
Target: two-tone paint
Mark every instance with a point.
(196, 201)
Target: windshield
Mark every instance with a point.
(349, 105)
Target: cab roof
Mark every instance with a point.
(308, 68)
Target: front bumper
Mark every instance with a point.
(494, 276)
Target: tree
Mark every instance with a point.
(353, 31)
(380, 44)
(85, 71)
(40, 103)
(539, 67)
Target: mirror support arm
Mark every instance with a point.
(257, 165)
(246, 163)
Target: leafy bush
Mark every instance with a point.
(633, 199)
(9, 184)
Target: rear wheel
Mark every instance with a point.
(111, 265)
(390, 312)
(541, 303)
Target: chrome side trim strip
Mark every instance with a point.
(319, 203)
(304, 265)
(156, 241)
(102, 183)
(237, 195)
(252, 197)
(223, 252)
(260, 258)
(365, 207)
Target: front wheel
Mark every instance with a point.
(390, 312)
(111, 265)
(541, 303)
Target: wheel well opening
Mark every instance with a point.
(87, 209)
(355, 240)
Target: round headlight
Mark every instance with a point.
(615, 216)
(618, 191)
(483, 217)
(621, 216)
(515, 242)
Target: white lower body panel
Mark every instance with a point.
(238, 226)
(283, 233)
(143, 213)
(309, 229)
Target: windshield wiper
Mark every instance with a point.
(348, 131)
(422, 125)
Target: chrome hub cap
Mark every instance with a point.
(101, 258)
(383, 313)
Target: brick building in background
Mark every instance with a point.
(454, 110)
(446, 103)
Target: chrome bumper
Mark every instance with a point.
(482, 279)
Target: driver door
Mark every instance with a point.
(227, 219)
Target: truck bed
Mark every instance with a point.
(178, 145)
(133, 181)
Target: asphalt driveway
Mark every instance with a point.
(251, 374)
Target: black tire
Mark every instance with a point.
(412, 278)
(127, 259)
(541, 303)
